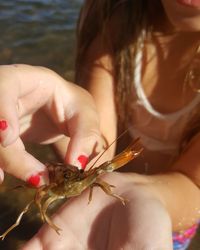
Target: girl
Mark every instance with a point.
(140, 61)
(143, 64)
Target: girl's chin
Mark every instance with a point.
(187, 27)
(188, 24)
(190, 3)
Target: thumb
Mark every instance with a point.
(15, 160)
(85, 136)
(78, 119)
(83, 148)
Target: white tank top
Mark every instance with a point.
(158, 132)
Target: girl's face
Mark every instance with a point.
(184, 15)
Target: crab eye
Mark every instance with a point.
(67, 174)
(81, 171)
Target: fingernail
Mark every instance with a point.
(3, 125)
(5, 133)
(34, 180)
(83, 160)
(38, 179)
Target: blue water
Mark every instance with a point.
(38, 32)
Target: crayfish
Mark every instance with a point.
(66, 181)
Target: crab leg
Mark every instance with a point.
(17, 221)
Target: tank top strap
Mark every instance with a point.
(143, 100)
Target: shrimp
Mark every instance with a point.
(66, 181)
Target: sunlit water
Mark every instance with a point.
(38, 32)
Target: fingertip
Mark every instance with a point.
(82, 149)
(19, 163)
(3, 125)
(8, 134)
(83, 161)
(4, 131)
(80, 162)
(38, 179)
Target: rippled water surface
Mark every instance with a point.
(38, 32)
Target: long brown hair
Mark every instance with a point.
(136, 16)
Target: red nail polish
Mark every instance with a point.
(3, 125)
(34, 180)
(83, 161)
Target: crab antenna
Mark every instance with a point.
(122, 134)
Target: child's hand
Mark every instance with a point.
(39, 106)
(143, 223)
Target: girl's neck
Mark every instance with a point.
(172, 42)
(179, 47)
(171, 56)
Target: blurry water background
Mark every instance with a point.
(37, 32)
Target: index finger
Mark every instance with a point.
(22, 90)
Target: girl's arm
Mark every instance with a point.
(97, 76)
